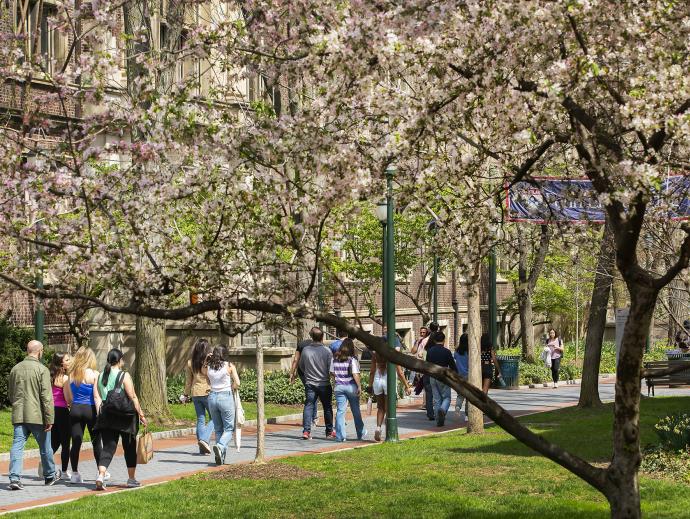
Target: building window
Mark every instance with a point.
(36, 27)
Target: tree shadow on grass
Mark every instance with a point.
(516, 448)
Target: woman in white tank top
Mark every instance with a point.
(222, 378)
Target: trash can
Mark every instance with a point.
(510, 369)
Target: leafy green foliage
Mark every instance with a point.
(12, 350)
(674, 431)
(673, 465)
(175, 388)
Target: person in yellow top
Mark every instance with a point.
(196, 386)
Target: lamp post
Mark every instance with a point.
(493, 310)
(433, 226)
(389, 303)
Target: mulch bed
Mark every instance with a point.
(281, 471)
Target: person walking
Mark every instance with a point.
(315, 362)
(60, 435)
(461, 363)
(335, 345)
(682, 338)
(418, 350)
(296, 370)
(196, 386)
(223, 378)
(81, 398)
(426, 379)
(113, 427)
(555, 344)
(30, 394)
(379, 388)
(346, 375)
(489, 362)
(438, 354)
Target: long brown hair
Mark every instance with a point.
(57, 366)
(217, 358)
(202, 349)
(346, 350)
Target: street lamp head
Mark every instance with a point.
(390, 170)
(382, 211)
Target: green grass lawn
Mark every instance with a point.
(183, 413)
(450, 475)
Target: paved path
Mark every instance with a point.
(179, 457)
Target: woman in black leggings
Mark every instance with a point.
(114, 426)
(60, 433)
(83, 376)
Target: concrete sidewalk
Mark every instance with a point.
(176, 458)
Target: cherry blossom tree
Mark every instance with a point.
(209, 186)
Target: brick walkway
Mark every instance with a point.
(179, 457)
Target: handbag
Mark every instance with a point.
(144, 447)
(239, 411)
(117, 403)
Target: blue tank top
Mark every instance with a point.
(82, 393)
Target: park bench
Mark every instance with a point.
(680, 378)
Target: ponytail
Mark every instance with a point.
(114, 357)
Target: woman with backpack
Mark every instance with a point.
(118, 418)
(223, 379)
(345, 371)
(81, 398)
(196, 386)
(555, 344)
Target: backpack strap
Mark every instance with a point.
(118, 381)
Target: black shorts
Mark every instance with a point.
(487, 371)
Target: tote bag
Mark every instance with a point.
(144, 447)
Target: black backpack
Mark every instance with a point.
(117, 403)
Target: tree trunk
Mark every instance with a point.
(596, 324)
(475, 417)
(260, 408)
(526, 327)
(149, 370)
(527, 282)
(624, 492)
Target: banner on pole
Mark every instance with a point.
(553, 200)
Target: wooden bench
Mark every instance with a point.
(680, 378)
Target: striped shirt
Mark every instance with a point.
(343, 372)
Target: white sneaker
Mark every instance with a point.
(555, 385)
(107, 476)
(75, 478)
(100, 484)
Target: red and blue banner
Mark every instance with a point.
(556, 200)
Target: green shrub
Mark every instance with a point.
(175, 388)
(673, 465)
(534, 373)
(674, 431)
(12, 350)
(277, 387)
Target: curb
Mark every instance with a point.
(190, 431)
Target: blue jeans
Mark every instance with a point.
(21, 434)
(315, 411)
(343, 395)
(221, 407)
(203, 429)
(323, 393)
(441, 396)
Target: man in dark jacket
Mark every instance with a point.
(31, 396)
(441, 356)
